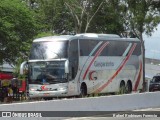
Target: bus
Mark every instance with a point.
(83, 64)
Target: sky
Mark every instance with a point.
(152, 44)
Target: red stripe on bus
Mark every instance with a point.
(138, 78)
(96, 55)
(117, 72)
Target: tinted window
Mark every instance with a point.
(115, 48)
(45, 50)
(137, 50)
(92, 45)
(86, 46)
(51, 72)
(73, 58)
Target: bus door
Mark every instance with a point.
(73, 67)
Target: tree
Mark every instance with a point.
(108, 19)
(99, 16)
(53, 15)
(79, 16)
(17, 27)
(141, 16)
(63, 17)
(82, 13)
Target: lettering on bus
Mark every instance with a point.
(103, 64)
(57, 64)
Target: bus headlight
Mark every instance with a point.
(62, 88)
(32, 89)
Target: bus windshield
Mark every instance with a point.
(49, 50)
(47, 72)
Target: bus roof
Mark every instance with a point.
(108, 37)
(51, 38)
(84, 36)
(98, 35)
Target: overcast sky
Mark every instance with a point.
(152, 44)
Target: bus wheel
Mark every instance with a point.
(129, 87)
(122, 87)
(83, 90)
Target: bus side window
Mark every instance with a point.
(73, 58)
(81, 52)
(137, 50)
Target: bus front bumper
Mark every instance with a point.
(43, 94)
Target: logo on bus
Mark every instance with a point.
(43, 87)
(93, 75)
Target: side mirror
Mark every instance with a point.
(66, 66)
(24, 68)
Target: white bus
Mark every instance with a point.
(67, 65)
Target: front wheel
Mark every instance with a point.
(83, 90)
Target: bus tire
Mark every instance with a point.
(122, 88)
(129, 87)
(83, 90)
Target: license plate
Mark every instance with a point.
(155, 88)
(46, 94)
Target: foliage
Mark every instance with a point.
(83, 12)
(54, 16)
(109, 16)
(108, 19)
(17, 68)
(44, 34)
(17, 28)
(142, 16)
(79, 16)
